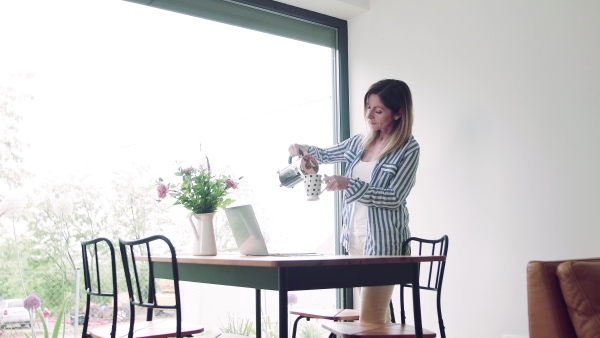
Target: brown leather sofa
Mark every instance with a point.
(549, 314)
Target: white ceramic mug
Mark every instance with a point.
(312, 186)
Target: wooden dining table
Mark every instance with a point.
(294, 273)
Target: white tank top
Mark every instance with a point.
(358, 228)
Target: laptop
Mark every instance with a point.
(247, 234)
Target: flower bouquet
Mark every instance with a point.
(200, 191)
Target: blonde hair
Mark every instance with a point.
(396, 96)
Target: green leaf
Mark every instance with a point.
(59, 318)
(40, 315)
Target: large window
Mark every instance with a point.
(122, 93)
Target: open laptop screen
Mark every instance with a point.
(246, 231)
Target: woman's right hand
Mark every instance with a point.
(294, 149)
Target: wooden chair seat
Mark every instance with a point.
(330, 314)
(146, 329)
(372, 330)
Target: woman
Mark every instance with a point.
(381, 169)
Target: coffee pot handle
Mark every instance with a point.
(290, 158)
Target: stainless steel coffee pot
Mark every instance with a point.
(296, 169)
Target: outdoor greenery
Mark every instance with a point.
(41, 225)
(311, 329)
(237, 325)
(12, 174)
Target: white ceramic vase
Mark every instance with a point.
(203, 241)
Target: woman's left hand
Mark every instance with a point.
(335, 182)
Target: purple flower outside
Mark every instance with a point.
(292, 298)
(32, 302)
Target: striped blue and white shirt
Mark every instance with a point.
(392, 179)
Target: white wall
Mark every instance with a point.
(506, 98)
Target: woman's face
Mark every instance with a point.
(379, 116)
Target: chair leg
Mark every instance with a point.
(86, 318)
(402, 313)
(439, 311)
(296, 325)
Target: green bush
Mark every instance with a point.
(236, 325)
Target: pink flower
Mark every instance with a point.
(162, 190)
(231, 183)
(187, 170)
(46, 313)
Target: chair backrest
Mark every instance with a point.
(93, 253)
(139, 274)
(432, 273)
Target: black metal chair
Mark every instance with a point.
(93, 252)
(430, 272)
(336, 315)
(141, 286)
(433, 271)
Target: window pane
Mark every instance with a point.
(124, 93)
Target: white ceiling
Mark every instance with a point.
(342, 9)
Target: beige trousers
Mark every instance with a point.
(374, 302)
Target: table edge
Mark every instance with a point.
(279, 261)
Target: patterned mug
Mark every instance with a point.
(312, 186)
